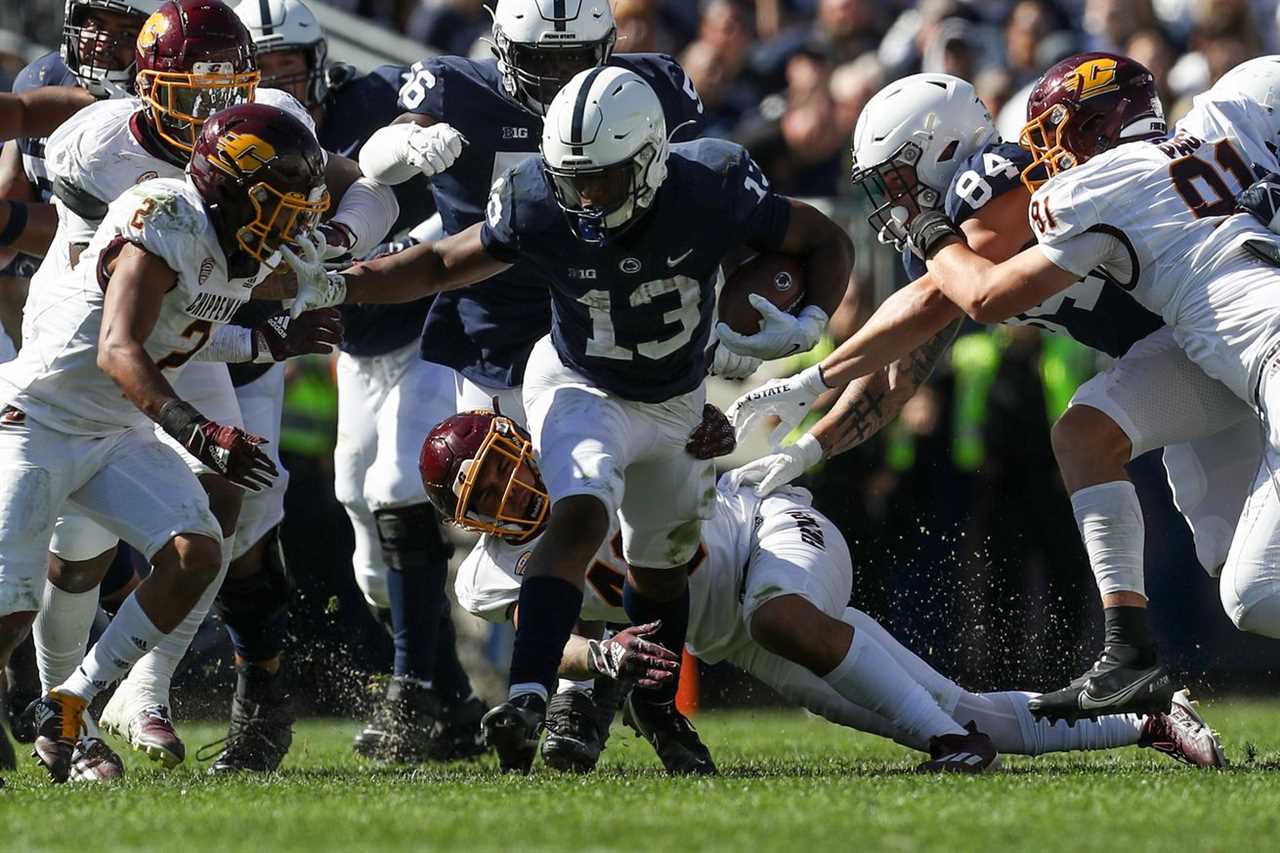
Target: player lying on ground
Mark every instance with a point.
(1153, 395)
(769, 592)
(607, 216)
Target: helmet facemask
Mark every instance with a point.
(312, 83)
(896, 194)
(278, 219)
(180, 102)
(96, 37)
(504, 467)
(532, 74)
(604, 201)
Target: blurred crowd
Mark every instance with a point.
(957, 508)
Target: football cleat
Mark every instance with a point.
(261, 728)
(403, 725)
(1183, 735)
(955, 753)
(149, 731)
(1109, 687)
(94, 761)
(671, 734)
(512, 730)
(56, 716)
(573, 741)
(458, 735)
(368, 742)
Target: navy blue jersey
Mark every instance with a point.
(486, 332)
(1093, 311)
(355, 108)
(634, 316)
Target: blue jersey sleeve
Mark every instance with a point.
(499, 234)
(423, 91)
(48, 70)
(759, 214)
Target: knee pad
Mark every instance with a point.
(411, 536)
(262, 597)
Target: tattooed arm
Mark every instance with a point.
(868, 403)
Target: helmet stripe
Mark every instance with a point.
(264, 9)
(557, 12)
(580, 108)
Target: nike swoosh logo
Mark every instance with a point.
(1088, 703)
(671, 262)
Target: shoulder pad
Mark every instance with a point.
(48, 70)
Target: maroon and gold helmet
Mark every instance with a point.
(1083, 106)
(260, 172)
(194, 58)
(484, 451)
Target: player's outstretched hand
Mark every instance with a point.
(789, 400)
(628, 656)
(713, 437)
(433, 149)
(771, 472)
(317, 287)
(227, 450)
(311, 333)
(781, 334)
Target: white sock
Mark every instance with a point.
(148, 682)
(567, 686)
(129, 636)
(870, 677)
(61, 632)
(527, 687)
(1110, 521)
(1006, 719)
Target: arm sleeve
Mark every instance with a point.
(369, 209)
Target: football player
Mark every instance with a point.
(606, 214)
(172, 260)
(1116, 416)
(192, 57)
(401, 557)
(769, 592)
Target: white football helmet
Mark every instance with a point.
(90, 51)
(1258, 79)
(604, 149)
(910, 139)
(541, 44)
(277, 25)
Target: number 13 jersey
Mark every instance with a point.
(55, 379)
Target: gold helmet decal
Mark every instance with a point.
(1097, 77)
(155, 26)
(242, 153)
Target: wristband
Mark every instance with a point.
(931, 230)
(16, 225)
(179, 419)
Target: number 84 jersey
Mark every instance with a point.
(55, 378)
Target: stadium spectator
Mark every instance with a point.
(449, 26)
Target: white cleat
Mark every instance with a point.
(147, 729)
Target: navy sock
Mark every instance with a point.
(261, 639)
(675, 624)
(417, 596)
(450, 679)
(548, 610)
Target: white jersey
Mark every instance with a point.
(488, 581)
(1156, 218)
(55, 378)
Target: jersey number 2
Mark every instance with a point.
(200, 331)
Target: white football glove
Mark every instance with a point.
(777, 469)
(433, 149)
(317, 287)
(788, 399)
(781, 334)
(729, 365)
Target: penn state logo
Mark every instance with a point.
(206, 270)
(147, 176)
(629, 265)
(522, 562)
(782, 281)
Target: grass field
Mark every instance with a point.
(788, 782)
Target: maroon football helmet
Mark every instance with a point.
(194, 58)
(260, 172)
(1083, 106)
(473, 457)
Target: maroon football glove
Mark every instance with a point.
(713, 437)
(229, 451)
(314, 332)
(628, 656)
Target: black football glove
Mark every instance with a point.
(227, 450)
(628, 656)
(314, 332)
(1262, 199)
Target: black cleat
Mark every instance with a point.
(58, 724)
(261, 729)
(512, 730)
(671, 734)
(457, 735)
(574, 740)
(1109, 687)
(955, 753)
(403, 727)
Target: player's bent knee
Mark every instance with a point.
(198, 557)
(260, 597)
(79, 575)
(1252, 613)
(586, 514)
(792, 627)
(411, 537)
(1090, 447)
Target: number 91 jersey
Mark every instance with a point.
(55, 378)
(1102, 318)
(634, 315)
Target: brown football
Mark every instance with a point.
(778, 278)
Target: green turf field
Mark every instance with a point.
(788, 782)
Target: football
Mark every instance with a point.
(778, 278)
